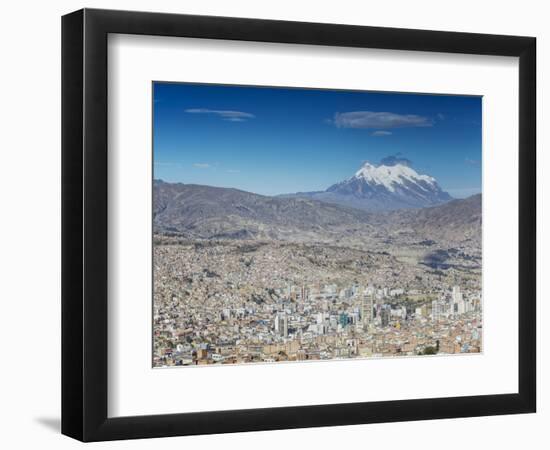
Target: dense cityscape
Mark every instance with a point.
(220, 303)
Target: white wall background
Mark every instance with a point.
(30, 224)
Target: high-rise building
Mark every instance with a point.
(367, 310)
(281, 324)
(456, 295)
(457, 301)
(451, 308)
(437, 310)
(343, 319)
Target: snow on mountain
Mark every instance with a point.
(390, 176)
(384, 188)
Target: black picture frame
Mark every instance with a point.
(84, 224)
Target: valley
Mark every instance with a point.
(242, 278)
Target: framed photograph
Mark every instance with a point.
(273, 224)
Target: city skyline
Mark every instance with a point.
(274, 141)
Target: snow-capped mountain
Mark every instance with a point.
(384, 187)
(393, 177)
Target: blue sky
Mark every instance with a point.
(279, 140)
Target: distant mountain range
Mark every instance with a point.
(216, 213)
(457, 220)
(383, 188)
(205, 212)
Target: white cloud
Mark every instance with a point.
(233, 171)
(202, 165)
(393, 160)
(381, 133)
(372, 119)
(229, 115)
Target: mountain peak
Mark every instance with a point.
(386, 187)
(390, 176)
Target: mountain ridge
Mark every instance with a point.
(213, 212)
(206, 212)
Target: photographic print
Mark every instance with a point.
(298, 224)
